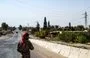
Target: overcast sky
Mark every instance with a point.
(58, 12)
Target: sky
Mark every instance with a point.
(58, 12)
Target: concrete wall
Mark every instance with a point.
(70, 52)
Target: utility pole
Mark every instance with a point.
(85, 19)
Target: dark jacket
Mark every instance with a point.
(25, 50)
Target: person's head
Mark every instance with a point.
(25, 36)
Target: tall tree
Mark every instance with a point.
(20, 27)
(38, 26)
(70, 24)
(45, 23)
(48, 24)
(4, 26)
(70, 28)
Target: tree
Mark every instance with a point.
(14, 28)
(4, 26)
(45, 23)
(69, 24)
(89, 26)
(33, 30)
(20, 27)
(80, 28)
(56, 26)
(38, 26)
(48, 24)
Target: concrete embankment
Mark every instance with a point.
(67, 51)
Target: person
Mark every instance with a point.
(24, 46)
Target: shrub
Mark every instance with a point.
(36, 34)
(42, 33)
(81, 39)
(65, 36)
(73, 37)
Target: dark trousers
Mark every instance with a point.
(26, 55)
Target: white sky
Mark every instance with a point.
(58, 12)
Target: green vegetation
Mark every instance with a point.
(74, 37)
(42, 33)
(81, 39)
(4, 26)
(20, 27)
(70, 34)
(6, 29)
(45, 23)
(70, 37)
(38, 26)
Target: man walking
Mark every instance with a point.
(24, 46)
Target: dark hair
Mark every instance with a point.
(27, 34)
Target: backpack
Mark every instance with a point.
(20, 48)
(24, 49)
